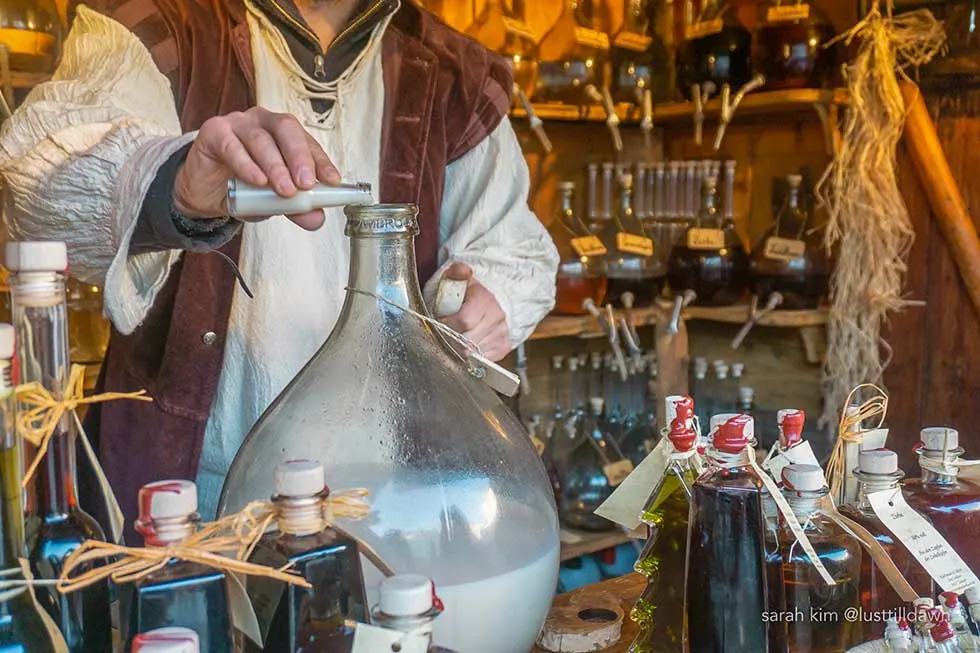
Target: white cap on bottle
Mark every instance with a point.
(36, 256)
(7, 341)
(300, 478)
(803, 478)
(597, 404)
(167, 500)
(721, 418)
(746, 394)
(406, 595)
(877, 461)
(167, 640)
(923, 602)
(939, 438)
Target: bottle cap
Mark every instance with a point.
(167, 640)
(36, 256)
(566, 185)
(939, 438)
(680, 412)
(923, 603)
(407, 595)
(7, 341)
(942, 630)
(794, 180)
(803, 478)
(790, 421)
(300, 478)
(718, 420)
(746, 394)
(678, 406)
(877, 461)
(167, 500)
(597, 404)
(973, 594)
(737, 369)
(949, 599)
(734, 435)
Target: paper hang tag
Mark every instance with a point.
(500, 379)
(784, 249)
(801, 454)
(633, 41)
(591, 38)
(588, 246)
(785, 13)
(923, 541)
(705, 238)
(240, 609)
(450, 294)
(618, 471)
(634, 244)
(704, 28)
(625, 505)
(372, 639)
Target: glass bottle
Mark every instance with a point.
(726, 591)
(183, 593)
(790, 48)
(631, 264)
(167, 640)
(502, 29)
(959, 619)
(432, 443)
(246, 200)
(39, 314)
(21, 628)
(945, 637)
(660, 14)
(716, 49)
(710, 260)
(659, 612)
(574, 54)
(32, 31)
(951, 504)
(790, 260)
(805, 591)
(638, 56)
(88, 328)
(293, 618)
(898, 636)
(555, 428)
(581, 273)
(878, 470)
(408, 603)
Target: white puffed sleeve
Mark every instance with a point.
(78, 156)
(487, 224)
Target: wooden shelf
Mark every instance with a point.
(28, 80)
(558, 326)
(575, 543)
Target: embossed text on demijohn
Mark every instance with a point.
(381, 219)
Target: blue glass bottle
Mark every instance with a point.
(295, 619)
(182, 594)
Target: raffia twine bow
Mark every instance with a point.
(876, 406)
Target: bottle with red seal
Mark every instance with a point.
(182, 594)
(957, 615)
(726, 588)
(659, 612)
(408, 603)
(167, 640)
(943, 635)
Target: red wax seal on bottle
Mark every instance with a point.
(681, 435)
(791, 427)
(942, 631)
(950, 599)
(732, 436)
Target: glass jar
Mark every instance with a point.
(457, 490)
(581, 273)
(716, 49)
(32, 30)
(789, 47)
(574, 54)
(502, 29)
(636, 57)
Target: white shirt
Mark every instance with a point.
(80, 154)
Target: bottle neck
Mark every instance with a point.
(708, 216)
(420, 625)
(383, 266)
(12, 535)
(869, 485)
(805, 506)
(948, 475)
(167, 532)
(300, 515)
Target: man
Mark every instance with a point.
(126, 153)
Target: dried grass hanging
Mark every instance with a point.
(867, 216)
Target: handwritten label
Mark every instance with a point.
(625, 504)
(371, 639)
(634, 244)
(705, 28)
(923, 541)
(588, 246)
(517, 28)
(787, 13)
(618, 471)
(705, 238)
(801, 454)
(591, 38)
(784, 249)
(633, 41)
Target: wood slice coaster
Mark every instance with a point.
(587, 623)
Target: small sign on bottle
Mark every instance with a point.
(634, 244)
(617, 472)
(588, 246)
(784, 249)
(633, 41)
(786, 13)
(704, 28)
(517, 28)
(372, 639)
(705, 238)
(591, 38)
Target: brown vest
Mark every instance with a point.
(444, 93)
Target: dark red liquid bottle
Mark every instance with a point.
(790, 47)
(716, 49)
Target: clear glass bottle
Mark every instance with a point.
(293, 618)
(716, 48)
(574, 54)
(167, 640)
(408, 603)
(39, 315)
(945, 637)
(627, 268)
(959, 619)
(184, 594)
(432, 443)
(878, 470)
(659, 612)
(725, 584)
(805, 591)
(581, 273)
(88, 328)
(790, 260)
(32, 30)
(790, 47)
(951, 504)
(502, 29)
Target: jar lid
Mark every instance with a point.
(8, 339)
(36, 256)
(803, 478)
(381, 220)
(735, 434)
(167, 640)
(167, 500)
(939, 438)
(790, 421)
(877, 461)
(406, 595)
(300, 478)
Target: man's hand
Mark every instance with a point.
(480, 319)
(259, 147)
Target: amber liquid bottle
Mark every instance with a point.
(39, 314)
(501, 28)
(659, 612)
(581, 273)
(823, 625)
(716, 49)
(879, 471)
(951, 504)
(32, 31)
(790, 47)
(634, 59)
(573, 54)
(293, 618)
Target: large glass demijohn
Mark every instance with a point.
(457, 491)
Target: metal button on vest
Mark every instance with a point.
(209, 338)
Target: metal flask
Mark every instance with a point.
(457, 491)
